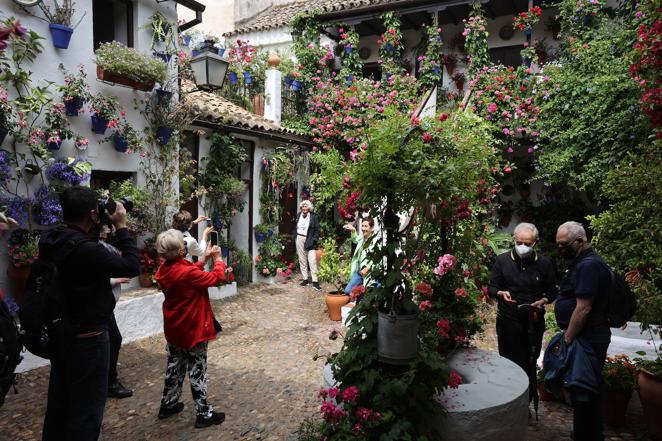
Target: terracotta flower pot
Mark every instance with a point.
(18, 279)
(614, 405)
(650, 393)
(118, 79)
(544, 394)
(146, 280)
(334, 303)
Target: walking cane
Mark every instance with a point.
(534, 315)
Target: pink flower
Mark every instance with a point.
(445, 264)
(351, 394)
(363, 413)
(427, 137)
(491, 107)
(425, 305)
(357, 292)
(454, 380)
(444, 327)
(357, 427)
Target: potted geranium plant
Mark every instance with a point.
(57, 126)
(334, 269)
(59, 16)
(75, 91)
(125, 137)
(104, 110)
(618, 375)
(525, 21)
(119, 64)
(22, 250)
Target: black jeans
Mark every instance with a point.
(115, 339)
(587, 415)
(77, 390)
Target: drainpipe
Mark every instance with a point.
(195, 6)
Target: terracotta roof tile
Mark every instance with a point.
(281, 15)
(216, 109)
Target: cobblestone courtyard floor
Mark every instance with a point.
(261, 374)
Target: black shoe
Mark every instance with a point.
(167, 411)
(117, 390)
(304, 283)
(214, 419)
(316, 286)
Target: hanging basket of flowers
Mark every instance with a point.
(119, 64)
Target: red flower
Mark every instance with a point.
(424, 289)
(351, 394)
(357, 292)
(427, 137)
(454, 380)
(443, 116)
(425, 305)
(461, 293)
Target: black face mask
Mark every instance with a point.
(568, 252)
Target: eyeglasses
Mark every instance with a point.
(564, 244)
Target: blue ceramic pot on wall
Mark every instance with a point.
(120, 143)
(73, 106)
(164, 134)
(296, 85)
(61, 35)
(232, 76)
(99, 125)
(3, 134)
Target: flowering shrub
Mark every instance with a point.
(431, 62)
(390, 45)
(526, 20)
(69, 171)
(345, 417)
(351, 62)
(269, 261)
(23, 247)
(619, 374)
(75, 85)
(57, 124)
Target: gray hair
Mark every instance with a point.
(525, 226)
(169, 244)
(575, 230)
(306, 202)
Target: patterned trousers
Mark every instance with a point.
(195, 361)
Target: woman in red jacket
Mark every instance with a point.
(188, 324)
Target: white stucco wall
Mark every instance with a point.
(80, 52)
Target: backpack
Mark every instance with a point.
(10, 350)
(622, 302)
(44, 317)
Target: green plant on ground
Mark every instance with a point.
(333, 266)
(129, 63)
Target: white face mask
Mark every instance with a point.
(523, 250)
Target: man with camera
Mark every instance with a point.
(79, 367)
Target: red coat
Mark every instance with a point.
(187, 314)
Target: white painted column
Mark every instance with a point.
(272, 93)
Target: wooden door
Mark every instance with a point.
(287, 226)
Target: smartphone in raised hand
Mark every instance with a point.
(213, 238)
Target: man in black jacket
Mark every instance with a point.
(307, 236)
(521, 276)
(79, 370)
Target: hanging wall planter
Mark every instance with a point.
(348, 49)
(187, 40)
(99, 125)
(248, 78)
(120, 143)
(164, 134)
(3, 135)
(260, 237)
(389, 47)
(397, 338)
(528, 32)
(194, 53)
(72, 107)
(232, 76)
(110, 77)
(163, 56)
(61, 35)
(163, 96)
(288, 80)
(349, 79)
(221, 51)
(296, 85)
(54, 145)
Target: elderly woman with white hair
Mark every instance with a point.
(307, 238)
(187, 323)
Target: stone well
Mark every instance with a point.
(490, 405)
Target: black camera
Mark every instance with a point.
(110, 205)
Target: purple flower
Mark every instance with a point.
(17, 208)
(5, 168)
(47, 209)
(61, 171)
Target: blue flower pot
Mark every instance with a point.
(389, 47)
(260, 237)
(187, 40)
(54, 145)
(194, 53)
(164, 134)
(349, 79)
(165, 57)
(61, 35)
(526, 61)
(270, 232)
(163, 95)
(72, 107)
(120, 143)
(436, 70)
(99, 125)
(296, 85)
(528, 32)
(225, 252)
(221, 51)
(288, 80)
(3, 135)
(348, 49)
(232, 76)
(248, 78)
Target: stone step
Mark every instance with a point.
(137, 317)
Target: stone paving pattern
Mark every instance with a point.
(261, 374)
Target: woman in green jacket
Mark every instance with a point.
(360, 266)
